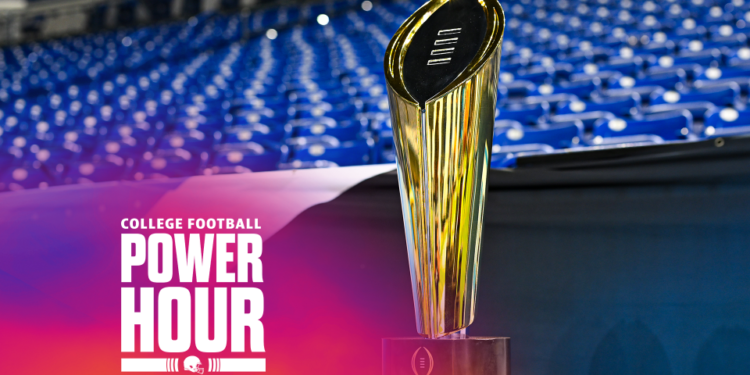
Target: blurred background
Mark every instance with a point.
(27, 20)
(108, 90)
(94, 91)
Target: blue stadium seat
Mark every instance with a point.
(717, 77)
(245, 157)
(620, 106)
(552, 100)
(581, 89)
(667, 65)
(535, 74)
(556, 136)
(517, 87)
(669, 126)
(200, 122)
(29, 176)
(724, 95)
(626, 141)
(525, 114)
(325, 126)
(645, 93)
(85, 139)
(667, 80)
(739, 57)
(726, 121)
(697, 109)
(140, 131)
(109, 168)
(330, 149)
(626, 66)
(297, 164)
(175, 162)
(586, 118)
(126, 148)
(260, 115)
(501, 124)
(256, 132)
(701, 57)
(505, 156)
(194, 141)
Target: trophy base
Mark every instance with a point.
(449, 356)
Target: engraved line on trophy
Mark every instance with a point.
(442, 51)
(445, 60)
(442, 42)
(449, 31)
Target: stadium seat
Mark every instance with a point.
(725, 95)
(666, 65)
(330, 149)
(536, 74)
(556, 136)
(619, 106)
(168, 163)
(626, 141)
(586, 118)
(552, 100)
(242, 157)
(505, 156)
(307, 165)
(581, 89)
(256, 132)
(716, 77)
(644, 92)
(28, 176)
(739, 57)
(325, 126)
(517, 87)
(669, 126)
(126, 148)
(697, 109)
(726, 121)
(194, 141)
(667, 80)
(501, 124)
(109, 168)
(525, 114)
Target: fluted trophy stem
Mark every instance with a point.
(442, 72)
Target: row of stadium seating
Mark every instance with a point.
(286, 88)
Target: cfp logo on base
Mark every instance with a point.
(421, 361)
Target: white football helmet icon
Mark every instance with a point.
(193, 364)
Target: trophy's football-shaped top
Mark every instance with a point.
(441, 69)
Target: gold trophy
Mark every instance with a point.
(442, 69)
